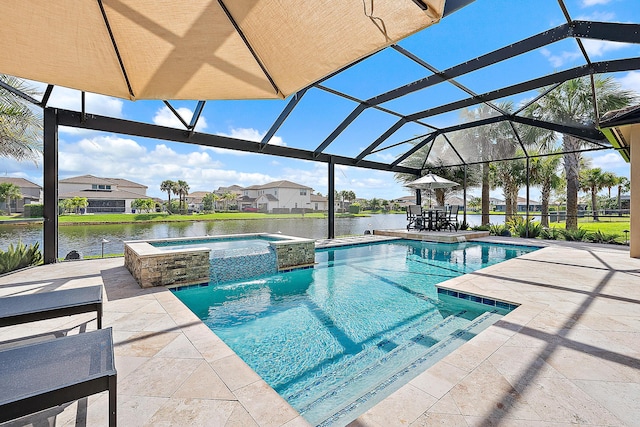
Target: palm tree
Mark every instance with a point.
(374, 204)
(490, 142)
(228, 197)
(351, 196)
(609, 180)
(344, 194)
(510, 175)
(592, 180)
(168, 186)
(78, 203)
(8, 192)
(209, 201)
(20, 126)
(182, 189)
(544, 172)
(623, 186)
(571, 104)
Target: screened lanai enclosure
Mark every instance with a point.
(479, 99)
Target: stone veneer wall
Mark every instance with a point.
(166, 269)
(298, 254)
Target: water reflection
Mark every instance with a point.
(87, 239)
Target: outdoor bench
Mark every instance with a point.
(39, 376)
(46, 305)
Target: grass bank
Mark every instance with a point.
(164, 217)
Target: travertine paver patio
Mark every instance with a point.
(570, 354)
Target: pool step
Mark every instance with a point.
(399, 365)
(327, 377)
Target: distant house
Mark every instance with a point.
(319, 203)
(194, 200)
(105, 195)
(404, 201)
(534, 206)
(276, 197)
(31, 193)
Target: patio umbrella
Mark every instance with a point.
(200, 49)
(430, 182)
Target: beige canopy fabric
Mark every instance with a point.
(162, 49)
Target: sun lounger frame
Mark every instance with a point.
(19, 309)
(46, 374)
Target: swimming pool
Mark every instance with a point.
(337, 338)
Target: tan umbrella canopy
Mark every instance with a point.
(199, 49)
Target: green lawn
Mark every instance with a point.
(608, 227)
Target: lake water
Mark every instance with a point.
(87, 239)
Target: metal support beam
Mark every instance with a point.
(196, 115)
(464, 197)
(527, 209)
(331, 196)
(415, 148)
(175, 113)
(282, 117)
(380, 140)
(147, 130)
(613, 66)
(50, 178)
(341, 127)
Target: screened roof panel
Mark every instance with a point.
(367, 127)
(317, 122)
(465, 39)
(426, 98)
(371, 77)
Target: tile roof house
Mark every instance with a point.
(277, 197)
(105, 195)
(31, 193)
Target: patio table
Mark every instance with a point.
(39, 376)
(46, 305)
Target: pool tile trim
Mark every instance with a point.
(480, 299)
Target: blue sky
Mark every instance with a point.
(481, 27)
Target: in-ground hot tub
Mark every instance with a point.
(185, 261)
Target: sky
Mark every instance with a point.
(479, 28)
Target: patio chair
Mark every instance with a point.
(450, 218)
(19, 309)
(47, 374)
(415, 217)
(437, 217)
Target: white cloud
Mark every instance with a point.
(165, 117)
(631, 81)
(251, 134)
(597, 16)
(588, 3)
(597, 48)
(62, 97)
(247, 134)
(558, 60)
(70, 99)
(609, 161)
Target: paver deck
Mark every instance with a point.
(570, 354)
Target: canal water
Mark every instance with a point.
(87, 239)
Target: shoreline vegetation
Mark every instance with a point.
(89, 219)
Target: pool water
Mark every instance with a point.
(337, 338)
(218, 246)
